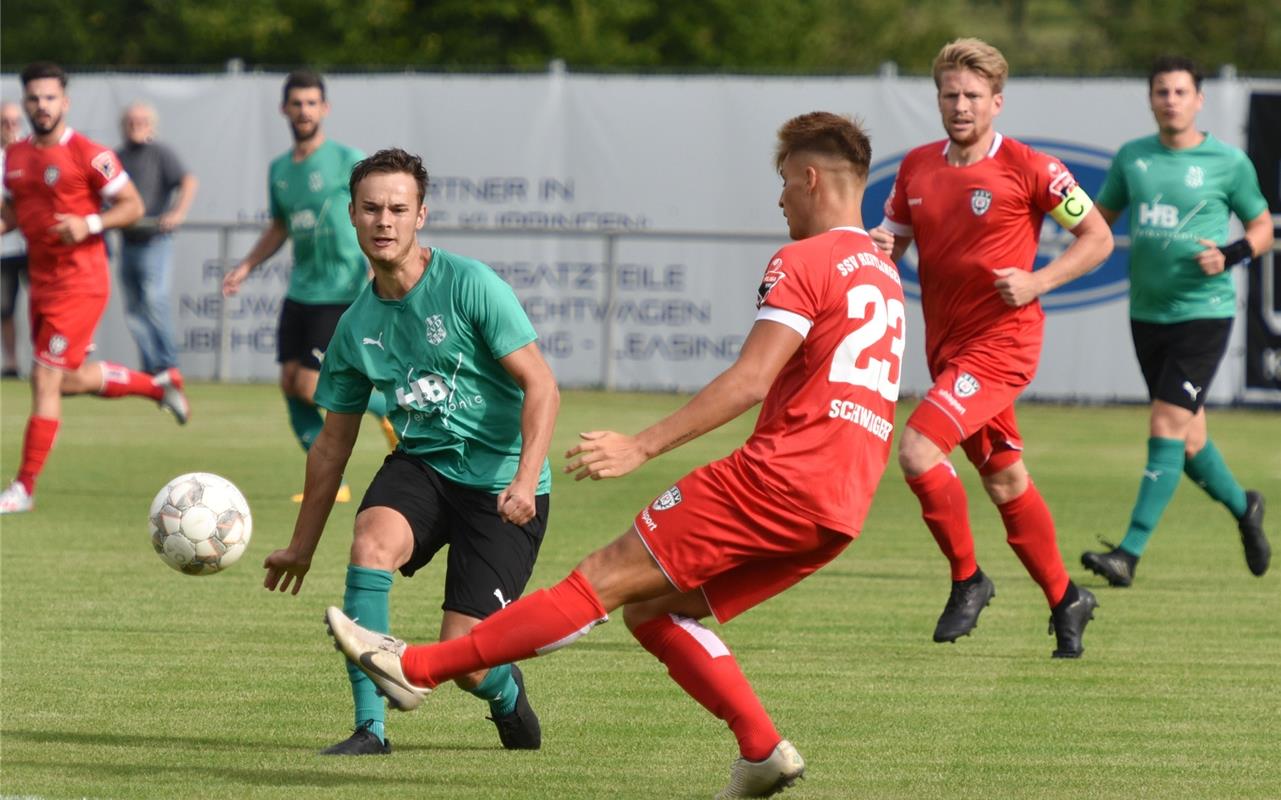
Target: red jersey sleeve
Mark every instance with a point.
(788, 285)
(1051, 180)
(898, 212)
(103, 171)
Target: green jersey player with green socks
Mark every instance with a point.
(309, 196)
(1181, 185)
(449, 346)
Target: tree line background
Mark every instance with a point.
(1045, 37)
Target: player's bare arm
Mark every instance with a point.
(8, 221)
(889, 242)
(271, 240)
(183, 198)
(1091, 247)
(1259, 237)
(537, 421)
(326, 461)
(608, 454)
(126, 209)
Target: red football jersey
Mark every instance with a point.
(968, 221)
(73, 176)
(823, 436)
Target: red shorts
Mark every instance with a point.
(62, 328)
(975, 409)
(714, 530)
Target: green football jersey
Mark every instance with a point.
(1175, 198)
(311, 197)
(433, 355)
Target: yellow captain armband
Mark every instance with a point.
(1073, 209)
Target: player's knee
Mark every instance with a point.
(916, 454)
(470, 681)
(637, 614)
(1007, 484)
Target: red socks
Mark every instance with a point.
(36, 445)
(1029, 529)
(946, 513)
(703, 666)
(118, 381)
(534, 625)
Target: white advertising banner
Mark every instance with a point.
(652, 203)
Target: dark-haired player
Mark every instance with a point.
(55, 182)
(446, 343)
(1181, 185)
(974, 203)
(308, 188)
(823, 359)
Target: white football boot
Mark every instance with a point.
(764, 778)
(378, 656)
(174, 399)
(15, 499)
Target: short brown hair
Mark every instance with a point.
(827, 134)
(1166, 64)
(975, 55)
(389, 161)
(302, 78)
(43, 69)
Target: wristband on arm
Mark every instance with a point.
(1238, 251)
(94, 222)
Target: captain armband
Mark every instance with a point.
(1235, 253)
(1073, 209)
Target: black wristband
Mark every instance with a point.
(1238, 251)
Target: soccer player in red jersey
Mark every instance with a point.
(55, 183)
(974, 203)
(823, 360)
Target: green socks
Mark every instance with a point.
(305, 419)
(366, 602)
(377, 404)
(1160, 479)
(499, 689)
(1208, 471)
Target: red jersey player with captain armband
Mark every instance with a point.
(974, 203)
(55, 184)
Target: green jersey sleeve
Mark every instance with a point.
(1114, 194)
(1246, 199)
(496, 312)
(342, 387)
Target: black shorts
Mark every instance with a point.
(490, 560)
(11, 268)
(305, 331)
(1179, 360)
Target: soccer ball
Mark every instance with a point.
(200, 523)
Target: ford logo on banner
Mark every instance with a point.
(1110, 281)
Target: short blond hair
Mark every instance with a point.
(975, 55)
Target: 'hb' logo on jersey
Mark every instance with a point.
(1158, 215)
(980, 201)
(422, 392)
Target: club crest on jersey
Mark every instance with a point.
(773, 274)
(105, 163)
(1194, 178)
(315, 181)
(965, 385)
(668, 499)
(980, 201)
(50, 176)
(435, 329)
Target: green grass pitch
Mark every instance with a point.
(121, 678)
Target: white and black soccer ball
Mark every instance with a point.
(200, 523)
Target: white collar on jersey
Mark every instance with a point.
(66, 135)
(991, 151)
(850, 228)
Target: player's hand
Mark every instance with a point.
(70, 229)
(232, 280)
(604, 454)
(168, 221)
(882, 238)
(516, 504)
(288, 565)
(1210, 260)
(1017, 287)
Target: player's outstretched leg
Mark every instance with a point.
(173, 398)
(362, 742)
(518, 729)
(1258, 553)
(961, 614)
(1068, 620)
(366, 597)
(766, 778)
(1115, 564)
(378, 656)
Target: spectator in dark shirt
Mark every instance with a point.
(146, 255)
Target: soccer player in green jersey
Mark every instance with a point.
(309, 196)
(446, 342)
(1181, 185)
